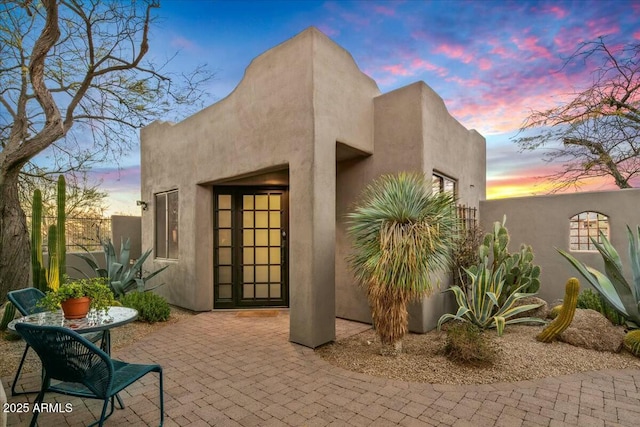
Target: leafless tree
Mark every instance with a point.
(597, 133)
(74, 81)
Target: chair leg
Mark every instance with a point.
(103, 418)
(15, 380)
(161, 399)
(37, 402)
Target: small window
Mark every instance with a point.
(167, 225)
(585, 226)
(443, 184)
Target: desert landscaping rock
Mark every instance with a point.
(591, 330)
(541, 312)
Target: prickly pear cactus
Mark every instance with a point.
(520, 271)
(632, 342)
(565, 317)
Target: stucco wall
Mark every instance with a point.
(413, 132)
(543, 223)
(293, 103)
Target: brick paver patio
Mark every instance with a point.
(225, 370)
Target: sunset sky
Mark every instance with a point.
(491, 61)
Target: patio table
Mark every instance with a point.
(94, 322)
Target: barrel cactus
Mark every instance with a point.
(632, 342)
(565, 317)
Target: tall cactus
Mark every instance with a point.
(53, 273)
(8, 316)
(61, 228)
(36, 241)
(564, 319)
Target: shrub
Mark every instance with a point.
(467, 344)
(151, 307)
(595, 301)
(465, 254)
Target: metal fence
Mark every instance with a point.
(468, 216)
(87, 232)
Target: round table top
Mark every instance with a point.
(115, 316)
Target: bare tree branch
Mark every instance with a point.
(597, 133)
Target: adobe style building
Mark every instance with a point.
(246, 199)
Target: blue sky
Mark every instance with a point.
(491, 61)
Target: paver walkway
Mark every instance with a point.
(225, 370)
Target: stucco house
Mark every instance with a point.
(246, 199)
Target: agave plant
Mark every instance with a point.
(123, 276)
(612, 285)
(402, 235)
(498, 281)
(480, 305)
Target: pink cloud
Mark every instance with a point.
(559, 12)
(329, 31)
(636, 35)
(421, 64)
(183, 43)
(383, 10)
(530, 44)
(601, 27)
(455, 52)
(397, 70)
(484, 64)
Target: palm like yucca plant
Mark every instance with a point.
(402, 235)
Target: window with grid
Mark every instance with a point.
(167, 225)
(586, 226)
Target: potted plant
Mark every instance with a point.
(77, 297)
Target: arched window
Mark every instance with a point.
(583, 227)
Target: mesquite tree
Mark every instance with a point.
(74, 81)
(596, 133)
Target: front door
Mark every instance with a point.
(250, 241)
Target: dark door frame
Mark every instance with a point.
(237, 193)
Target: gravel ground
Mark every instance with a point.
(11, 350)
(520, 357)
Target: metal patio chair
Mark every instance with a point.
(26, 302)
(83, 369)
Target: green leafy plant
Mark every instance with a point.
(589, 299)
(622, 295)
(479, 305)
(466, 344)
(498, 281)
(95, 288)
(122, 276)
(402, 235)
(151, 307)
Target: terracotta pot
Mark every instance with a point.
(76, 308)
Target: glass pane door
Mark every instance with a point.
(251, 248)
